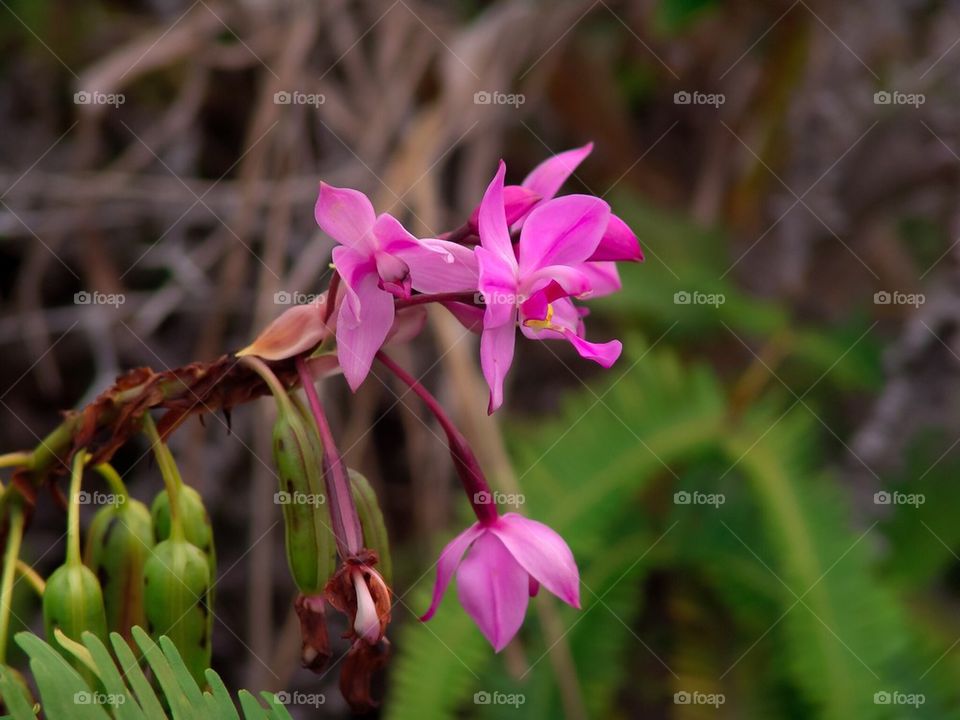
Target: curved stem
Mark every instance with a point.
(32, 577)
(73, 510)
(343, 512)
(14, 459)
(108, 473)
(171, 476)
(464, 297)
(468, 468)
(332, 289)
(14, 537)
(266, 374)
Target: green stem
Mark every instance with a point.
(108, 473)
(15, 458)
(266, 374)
(171, 477)
(32, 577)
(14, 536)
(73, 510)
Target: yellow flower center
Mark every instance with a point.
(544, 324)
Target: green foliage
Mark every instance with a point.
(121, 690)
(773, 598)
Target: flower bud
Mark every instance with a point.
(73, 602)
(119, 541)
(177, 580)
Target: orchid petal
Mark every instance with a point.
(494, 233)
(498, 287)
(618, 243)
(566, 316)
(496, 356)
(604, 354)
(352, 266)
(360, 335)
(563, 231)
(439, 266)
(604, 278)
(392, 237)
(547, 177)
(470, 316)
(518, 201)
(493, 589)
(447, 564)
(346, 215)
(297, 329)
(541, 552)
(574, 280)
(407, 325)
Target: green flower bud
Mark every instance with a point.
(73, 602)
(119, 541)
(177, 584)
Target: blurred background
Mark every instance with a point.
(760, 494)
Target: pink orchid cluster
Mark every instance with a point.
(524, 259)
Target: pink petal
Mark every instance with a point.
(618, 243)
(564, 231)
(493, 589)
(496, 356)
(604, 354)
(542, 553)
(497, 283)
(517, 202)
(352, 266)
(547, 177)
(407, 325)
(438, 266)
(447, 564)
(296, 330)
(470, 316)
(346, 215)
(604, 278)
(360, 335)
(392, 236)
(574, 280)
(494, 234)
(566, 316)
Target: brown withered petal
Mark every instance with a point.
(356, 675)
(295, 331)
(315, 653)
(341, 593)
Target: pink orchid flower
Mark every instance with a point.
(555, 242)
(506, 561)
(379, 260)
(542, 184)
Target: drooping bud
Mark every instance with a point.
(295, 331)
(119, 541)
(315, 650)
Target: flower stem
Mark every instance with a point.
(468, 468)
(14, 537)
(73, 509)
(170, 474)
(343, 513)
(332, 289)
(468, 298)
(108, 473)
